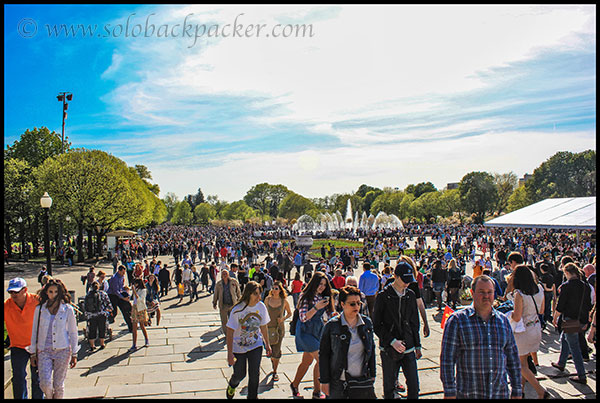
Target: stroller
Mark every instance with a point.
(80, 309)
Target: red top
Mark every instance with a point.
(338, 282)
(296, 286)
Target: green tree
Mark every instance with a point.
(218, 205)
(518, 199)
(238, 210)
(478, 194)
(18, 188)
(266, 198)
(364, 189)
(204, 212)
(389, 202)
(427, 206)
(294, 205)
(450, 203)
(369, 198)
(505, 184)
(170, 201)
(97, 190)
(36, 146)
(565, 174)
(182, 213)
(420, 188)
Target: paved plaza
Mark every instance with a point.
(187, 357)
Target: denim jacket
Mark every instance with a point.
(64, 329)
(333, 351)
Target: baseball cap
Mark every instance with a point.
(16, 284)
(405, 272)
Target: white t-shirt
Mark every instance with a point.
(246, 326)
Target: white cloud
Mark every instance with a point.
(356, 62)
(317, 173)
(114, 66)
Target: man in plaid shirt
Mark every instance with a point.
(478, 341)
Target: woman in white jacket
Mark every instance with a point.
(54, 338)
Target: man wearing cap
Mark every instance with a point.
(396, 324)
(18, 315)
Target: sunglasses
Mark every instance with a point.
(353, 304)
(14, 292)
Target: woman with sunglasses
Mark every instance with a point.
(347, 351)
(54, 338)
(277, 303)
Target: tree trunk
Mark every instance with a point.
(36, 235)
(80, 243)
(90, 243)
(8, 240)
(99, 243)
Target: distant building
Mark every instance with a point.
(453, 185)
(524, 179)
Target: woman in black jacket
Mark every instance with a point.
(347, 351)
(396, 323)
(574, 302)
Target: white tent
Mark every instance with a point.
(577, 213)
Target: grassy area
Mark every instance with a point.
(338, 243)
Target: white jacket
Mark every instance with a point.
(64, 329)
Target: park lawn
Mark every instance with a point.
(338, 243)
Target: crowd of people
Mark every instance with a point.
(522, 282)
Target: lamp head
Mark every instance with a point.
(46, 201)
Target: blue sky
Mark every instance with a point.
(383, 95)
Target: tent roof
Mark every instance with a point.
(121, 232)
(567, 213)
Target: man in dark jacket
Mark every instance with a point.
(396, 324)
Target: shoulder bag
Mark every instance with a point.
(574, 325)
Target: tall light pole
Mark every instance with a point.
(64, 97)
(20, 220)
(46, 203)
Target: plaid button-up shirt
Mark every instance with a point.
(484, 355)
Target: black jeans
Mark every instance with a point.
(391, 369)
(125, 308)
(336, 391)
(239, 370)
(164, 289)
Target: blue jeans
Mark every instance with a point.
(569, 342)
(391, 370)
(18, 360)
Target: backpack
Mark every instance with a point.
(92, 302)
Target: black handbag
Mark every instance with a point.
(294, 321)
(357, 385)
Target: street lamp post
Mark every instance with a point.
(20, 220)
(46, 203)
(64, 97)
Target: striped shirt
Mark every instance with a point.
(483, 353)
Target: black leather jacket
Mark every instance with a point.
(333, 351)
(386, 321)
